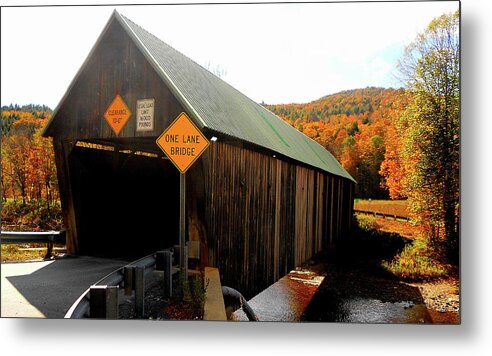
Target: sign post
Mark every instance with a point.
(183, 143)
(183, 256)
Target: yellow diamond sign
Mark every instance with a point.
(117, 114)
(182, 142)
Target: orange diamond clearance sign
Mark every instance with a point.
(182, 142)
(117, 114)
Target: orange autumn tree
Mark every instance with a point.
(393, 167)
(28, 168)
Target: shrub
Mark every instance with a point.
(34, 215)
(367, 223)
(415, 262)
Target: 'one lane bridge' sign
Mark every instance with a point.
(182, 142)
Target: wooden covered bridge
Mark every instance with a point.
(261, 199)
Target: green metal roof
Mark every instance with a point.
(216, 105)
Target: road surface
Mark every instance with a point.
(47, 289)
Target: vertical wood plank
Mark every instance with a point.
(266, 216)
(62, 151)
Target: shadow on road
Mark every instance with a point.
(50, 287)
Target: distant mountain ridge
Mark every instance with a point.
(347, 102)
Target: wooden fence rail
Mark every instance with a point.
(384, 215)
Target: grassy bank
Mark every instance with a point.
(418, 261)
(22, 252)
(411, 257)
(31, 216)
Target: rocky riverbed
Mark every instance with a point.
(442, 299)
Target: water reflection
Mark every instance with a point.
(360, 310)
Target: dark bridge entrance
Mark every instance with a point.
(128, 204)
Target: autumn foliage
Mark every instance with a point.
(356, 127)
(28, 166)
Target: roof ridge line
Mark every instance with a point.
(188, 58)
(160, 40)
(148, 55)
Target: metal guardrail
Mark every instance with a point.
(101, 299)
(48, 237)
(384, 215)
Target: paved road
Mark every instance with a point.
(47, 289)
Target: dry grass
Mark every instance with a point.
(26, 252)
(389, 207)
(404, 228)
(21, 252)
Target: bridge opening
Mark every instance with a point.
(128, 201)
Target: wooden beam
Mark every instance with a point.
(62, 154)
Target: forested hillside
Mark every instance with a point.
(29, 185)
(353, 126)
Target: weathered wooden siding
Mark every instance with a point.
(116, 66)
(265, 216)
(62, 151)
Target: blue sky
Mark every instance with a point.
(278, 53)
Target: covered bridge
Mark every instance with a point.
(261, 199)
